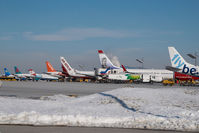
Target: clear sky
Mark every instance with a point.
(33, 31)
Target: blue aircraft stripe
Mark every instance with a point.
(177, 60)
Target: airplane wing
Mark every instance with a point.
(88, 75)
(170, 68)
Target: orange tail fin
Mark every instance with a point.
(49, 67)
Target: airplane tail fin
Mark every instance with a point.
(64, 70)
(66, 67)
(124, 69)
(105, 61)
(32, 72)
(177, 61)
(7, 73)
(49, 67)
(17, 70)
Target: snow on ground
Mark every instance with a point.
(146, 108)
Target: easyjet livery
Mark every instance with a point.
(51, 71)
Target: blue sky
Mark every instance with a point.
(33, 31)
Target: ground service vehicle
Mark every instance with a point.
(168, 82)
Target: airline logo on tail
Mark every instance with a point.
(17, 70)
(66, 67)
(50, 67)
(187, 70)
(32, 72)
(177, 60)
(105, 61)
(65, 63)
(6, 72)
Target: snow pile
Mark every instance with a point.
(165, 108)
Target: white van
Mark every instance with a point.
(146, 78)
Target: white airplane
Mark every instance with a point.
(156, 75)
(22, 76)
(123, 76)
(70, 72)
(42, 76)
(51, 71)
(178, 64)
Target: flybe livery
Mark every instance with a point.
(51, 71)
(70, 72)
(180, 65)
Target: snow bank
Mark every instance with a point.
(165, 108)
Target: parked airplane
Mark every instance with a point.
(70, 72)
(42, 76)
(117, 77)
(22, 76)
(178, 64)
(7, 73)
(51, 71)
(156, 75)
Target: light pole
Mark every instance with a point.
(141, 61)
(194, 57)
